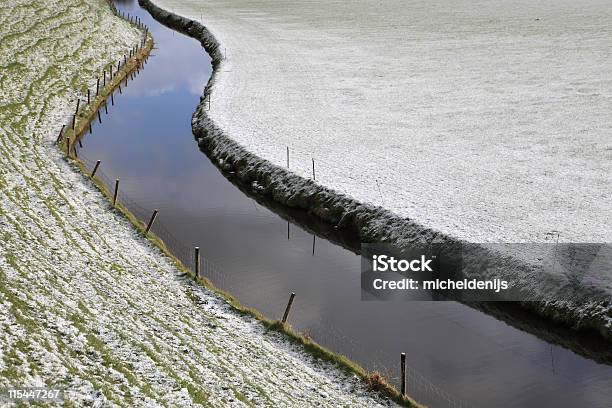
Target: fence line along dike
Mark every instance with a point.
(84, 297)
(80, 124)
(81, 120)
(201, 270)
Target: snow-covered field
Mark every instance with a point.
(86, 304)
(443, 121)
(484, 120)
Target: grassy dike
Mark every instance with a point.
(86, 304)
(373, 380)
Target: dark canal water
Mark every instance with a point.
(458, 355)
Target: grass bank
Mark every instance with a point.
(86, 304)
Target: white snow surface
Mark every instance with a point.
(86, 304)
(485, 120)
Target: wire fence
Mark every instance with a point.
(91, 99)
(363, 180)
(417, 385)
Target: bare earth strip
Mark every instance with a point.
(86, 304)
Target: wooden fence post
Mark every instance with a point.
(288, 308)
(116, 192)
(151, 221)
(314, 176)
(61, 134)
(197, 262)
(403, 385)
(93, 173)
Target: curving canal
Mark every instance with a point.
(458, 355)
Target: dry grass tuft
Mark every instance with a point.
(376, 382)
